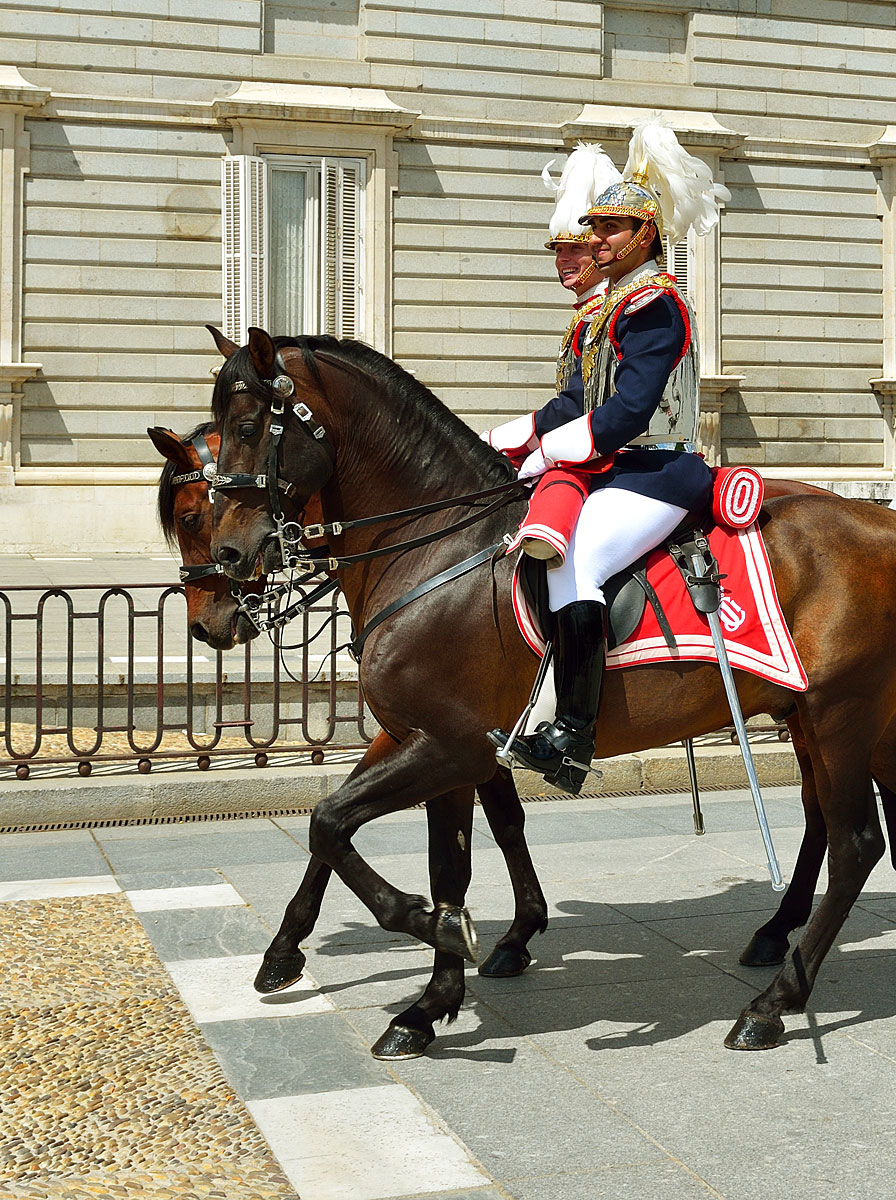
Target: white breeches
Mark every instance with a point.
(614, 529)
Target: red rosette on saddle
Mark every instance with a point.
(737, 494)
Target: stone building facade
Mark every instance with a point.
(399, 143)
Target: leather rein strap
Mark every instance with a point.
(356, 646)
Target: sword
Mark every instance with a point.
(715, 626)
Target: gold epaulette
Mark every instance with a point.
(613, 300)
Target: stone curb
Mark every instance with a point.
(167, 796)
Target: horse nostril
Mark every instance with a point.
(199, 632)
(227, 554)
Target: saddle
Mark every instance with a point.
(736, 500)
(628, 593)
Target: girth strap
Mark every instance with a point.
(356, 646)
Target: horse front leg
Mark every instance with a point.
(284, 961)
(419, 770)
(450, 823)
(855, 845)
(506, 818)
(769, 944)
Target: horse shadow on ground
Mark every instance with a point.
(646, 973)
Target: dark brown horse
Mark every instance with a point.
(214, 618)
(441, 671)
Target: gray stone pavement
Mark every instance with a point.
(599, 1073)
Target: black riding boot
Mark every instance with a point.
(562, 749)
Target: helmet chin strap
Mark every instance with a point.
(586, 273)
(638, 240)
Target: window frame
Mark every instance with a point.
(247, 212)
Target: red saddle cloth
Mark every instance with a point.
(754, 630)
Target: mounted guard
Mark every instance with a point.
(625, 421)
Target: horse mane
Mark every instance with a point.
(165, 502)
(419, 404)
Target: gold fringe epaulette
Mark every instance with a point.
(658, 283)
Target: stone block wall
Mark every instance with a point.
(123, 118)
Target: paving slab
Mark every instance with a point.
(599, 1073)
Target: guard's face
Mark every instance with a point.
(571, 259)
(609, 235)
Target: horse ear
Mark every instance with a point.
(263, 352)
(224, 344)
(169, 445)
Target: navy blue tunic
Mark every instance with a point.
(651, 340)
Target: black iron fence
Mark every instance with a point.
(98, 675)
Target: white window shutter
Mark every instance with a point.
(244, 235)
(341, 291)
(679, 263)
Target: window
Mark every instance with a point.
(293, 245)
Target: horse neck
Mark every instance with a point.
(391, 457)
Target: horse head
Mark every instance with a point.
(214, 615)
(269, 402)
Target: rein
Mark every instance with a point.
(282, 387)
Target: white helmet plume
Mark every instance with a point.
(682, 184)
(588, 172)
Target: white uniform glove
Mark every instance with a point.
(536, 464)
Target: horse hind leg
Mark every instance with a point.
(506, 818)
(450, 825)
(855, 845)
(770, 943)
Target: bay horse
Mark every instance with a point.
(439, 672)
(184, 511)
(214, 618)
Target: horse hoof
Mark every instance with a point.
(455, 932)
(753, 1031)
(764, 951)
(275, 974)
(504, 962)
(399, 1041)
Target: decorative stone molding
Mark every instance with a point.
(613, 122)
(709, 435)
(886, 389)
(12, 376)
(255, 101)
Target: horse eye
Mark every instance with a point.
(190, 520)
(248, 429)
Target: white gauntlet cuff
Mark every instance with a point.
(516, 435)
(572, 444)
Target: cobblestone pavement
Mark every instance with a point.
(138, 1061)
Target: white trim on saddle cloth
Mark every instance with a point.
(750, 608)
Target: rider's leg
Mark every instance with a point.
(615, 529)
